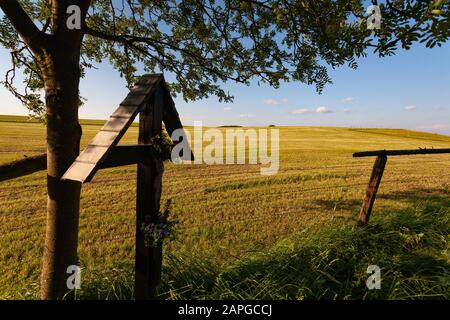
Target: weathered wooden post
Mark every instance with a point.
(148, 258)
(372, 189)
(377, 174)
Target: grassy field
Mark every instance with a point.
(242, 235)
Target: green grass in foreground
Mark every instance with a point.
(320, 262)
(241, 235)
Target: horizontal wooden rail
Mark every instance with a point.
(399, 152)
(23, 167)
(121, 155)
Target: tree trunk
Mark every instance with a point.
(61, 73)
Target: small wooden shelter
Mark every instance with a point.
(151, 99)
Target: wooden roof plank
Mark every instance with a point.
(90, 160)
(172, 120)
(125, 112)
(117, 124)
(141, 89)
(134, 99)
(79, 171)
(93, 153)
(116, 127)
(149, 79)
(104, 138)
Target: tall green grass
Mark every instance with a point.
(266, 182)
(330, 261)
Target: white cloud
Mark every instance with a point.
(346, 110)
(323, 110)
(306, 111)
(227, 109)
(271, 102)
(301, 111)
(246, 116)
(348, 99)
(410, 108)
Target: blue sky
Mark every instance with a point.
(409, 90)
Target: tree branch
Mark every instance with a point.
(130, 40)
(32, 36)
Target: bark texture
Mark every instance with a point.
(58, 55)
(61, 73)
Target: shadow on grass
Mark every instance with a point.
(439, 196)
(327, 261)
(330, 261)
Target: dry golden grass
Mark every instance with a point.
(225, 211)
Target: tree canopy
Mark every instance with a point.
(206, 42)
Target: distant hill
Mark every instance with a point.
(26, 119)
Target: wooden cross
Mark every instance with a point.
(151, 99)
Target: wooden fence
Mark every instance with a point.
(151, 100)
(377, 174)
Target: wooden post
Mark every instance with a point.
(151, 99)
(148, 258)
(372, 189)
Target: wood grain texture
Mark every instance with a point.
(134, 99)
(93, 154)
(149, 79)
(125, 112)
(113, 130)
(399, 152)
(148, 259)
(117, 124)
(371, 191)
(105, 138)
(79, 171)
